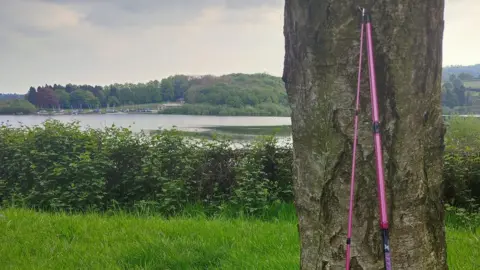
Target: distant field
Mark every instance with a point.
(472, 84)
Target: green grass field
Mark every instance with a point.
(33, 240)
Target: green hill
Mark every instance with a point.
(235, 94)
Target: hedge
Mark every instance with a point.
(60, 166)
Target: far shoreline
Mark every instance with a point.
(139, 113)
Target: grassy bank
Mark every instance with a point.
(32, 240)
(261, 109)
(283, 130)
(236, 132)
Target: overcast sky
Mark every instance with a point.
(106, 41)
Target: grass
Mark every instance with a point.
(34, 240)
(462, 249)
(31, 240)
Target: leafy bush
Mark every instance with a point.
(61, 166)
(461, 218)
(462, 163)
(463, 135)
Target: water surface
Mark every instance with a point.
(138, 122)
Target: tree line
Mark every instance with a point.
(232, 94)
(472, 70)
(460, 93)
(93, 96)
(233, 90)
(454, 92)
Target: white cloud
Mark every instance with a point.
(461, 39)
(101, 41)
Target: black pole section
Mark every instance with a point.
(386, 246)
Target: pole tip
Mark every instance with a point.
(362, 10)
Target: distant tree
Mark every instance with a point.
(9, 96)
(69, 88)
(83, 99)
(447, 86)
(180, 85)
(466, 76)
(449, 99)
(452, 77)
(168, 92)
(468, 99)
(459, 90)
(234, 101)
(63, 97)
(100, 94)
(113, 101)
(113, 91)
(46, 98)
(126, 96)
(32, 95)
(58, 86)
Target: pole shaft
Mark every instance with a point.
(378, 146)
(354, 155)
(376, 131)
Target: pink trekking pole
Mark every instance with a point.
(367, 25)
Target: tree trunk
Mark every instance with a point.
(321, 61)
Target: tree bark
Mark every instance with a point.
(321, 61)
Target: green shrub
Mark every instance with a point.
(461, 218)
(461, 171)
(61, 166)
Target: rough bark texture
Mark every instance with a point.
(321, 59)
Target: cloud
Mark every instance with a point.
(460, 42)
(101, 42)
(149, 13)
(18, 15)
(106, 41)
